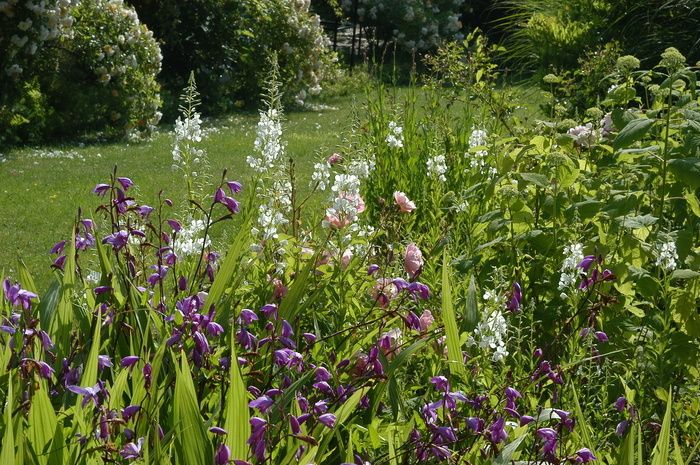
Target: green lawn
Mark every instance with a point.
(42, 188)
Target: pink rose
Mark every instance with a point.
(426, 320)
(404, 203)
(413, 260)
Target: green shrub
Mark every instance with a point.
(89, 67)
(228, 43)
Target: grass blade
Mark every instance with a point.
(662, 449)
(192, 445)
(454, 351)
(7, 455)
(237, 412)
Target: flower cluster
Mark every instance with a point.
(573, 254)
(437, 167)
(395, 137)
(268, 142)
(492, 331)
(585, 135)
(666, 255)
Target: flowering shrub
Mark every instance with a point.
(97, 51)
(413, 24)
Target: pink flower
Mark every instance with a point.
(404, 203)
(346, 258)
(426, 320)
(413, 260)
(335, 159)
(280, 290)
(384, 291)
(336, 221)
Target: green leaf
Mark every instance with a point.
(7, 455)
(632, 132)
(192, 445)
(687, 170)
(25, 278)
(237, 413)
(582, 425)
(693, 202)
(505, 457)
(685, 274)
(471, 314)
(661, 453)
(536, 178)
(454, 351)
(42, 423)
(637, 222)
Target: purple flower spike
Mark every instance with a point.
(223, 455)
(126, 183)
(129, 361)
(101, 189)
(516, 298)
(585, 456)
(327, 419)
(132, 450)
(218, 431)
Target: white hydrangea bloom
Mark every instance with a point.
(395, 137)
(666, 255)
(573, 254)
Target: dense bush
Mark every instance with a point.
(228, 45)
(414, 24)
(96, 51)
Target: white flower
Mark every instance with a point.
(395, 137)
(573, 254)
(492, 331)
(437, 167)
(268, 142)
(584, 135)
(190, 239)
(321, 175)
(666, 255)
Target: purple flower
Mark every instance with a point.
(58, 247)
(45, 371)
(118, 240)
(585, 456)
(247, 316)
(621, 428)
(132, 450)
(441, 383)
(101, 189)
(586, 263)
(103, 361)
(234, 186)
(144, 211)
(125, 182)
(601, 336)
(322, 374)
(475, 424)
(327, 419)
(129, 361)
(218, 431)
(130, 411)
(517, 296)
(223, 455)
(177, 227)
(88, 393)
(512, 394)
(18, 296)
(59, 263)
(262, 403)
(496, 432)
(620, 404)
(270, 311)
(257, 437)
